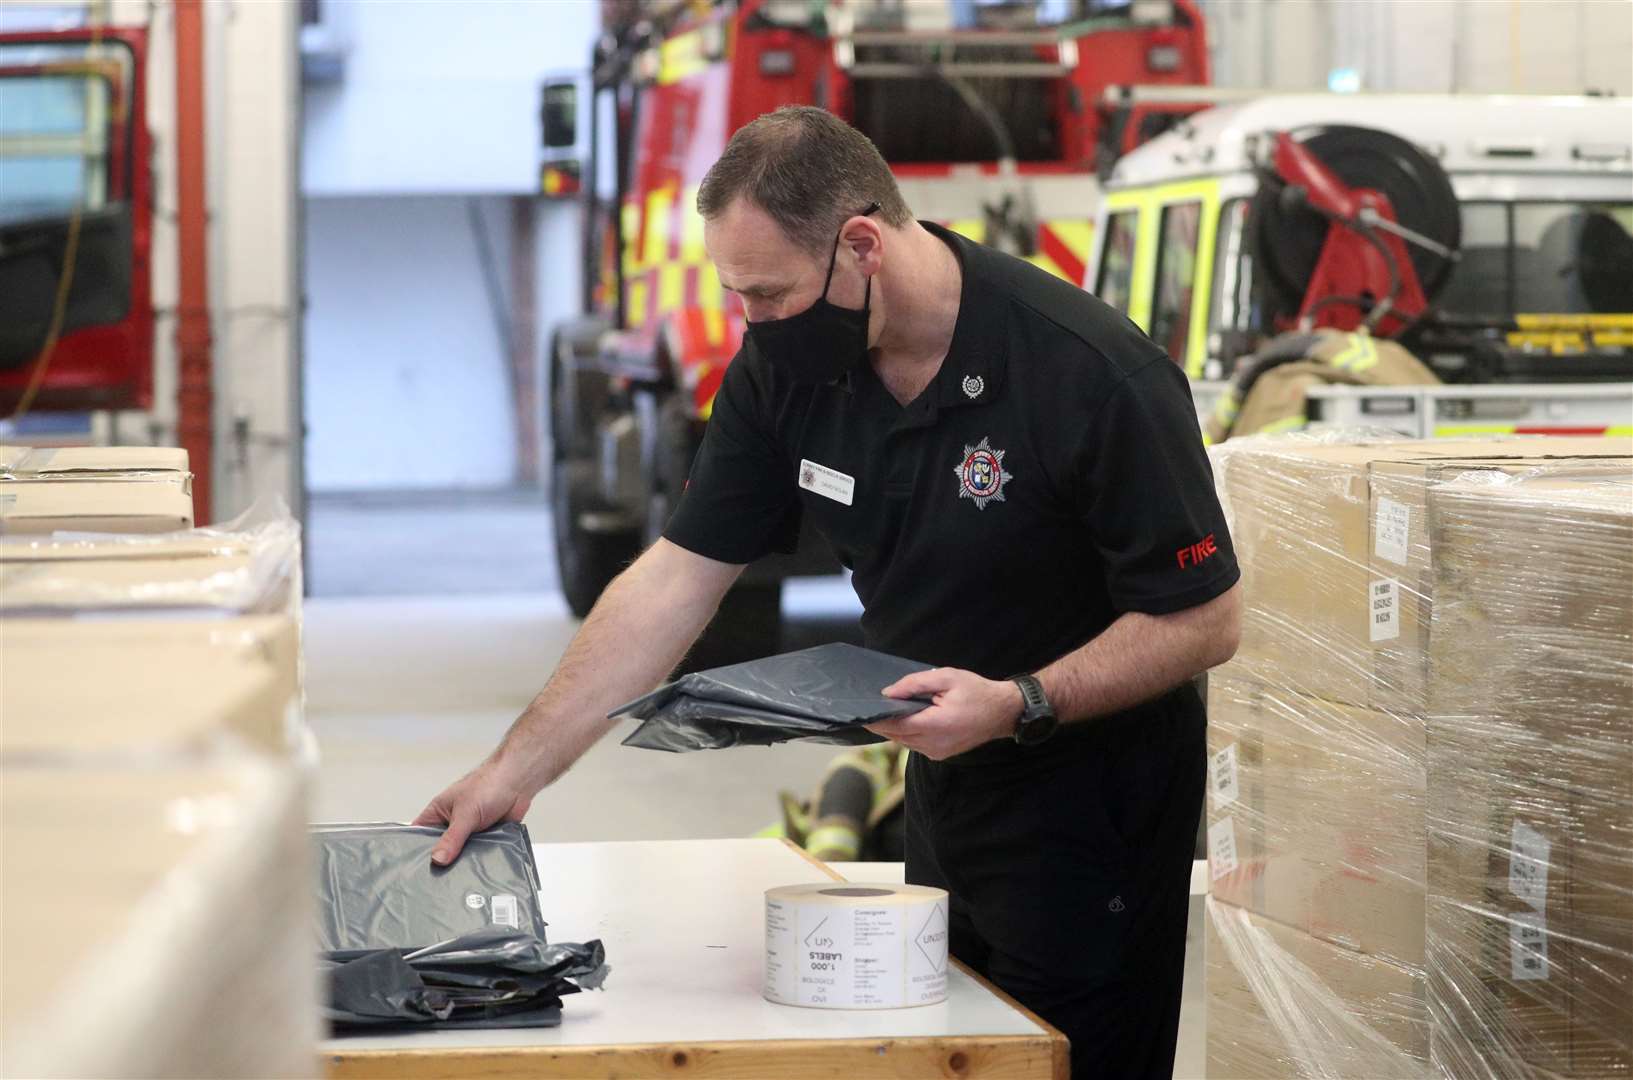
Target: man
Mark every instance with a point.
(1015, 476)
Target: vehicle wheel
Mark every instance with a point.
(676, 448)
(587, 559)
(747, 627)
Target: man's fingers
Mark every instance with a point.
(460, 826)
(905, 727)
(432, 816)
(920, 684)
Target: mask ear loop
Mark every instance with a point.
(833, 257)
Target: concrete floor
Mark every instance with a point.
(406, 692)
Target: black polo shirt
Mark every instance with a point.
(1051, 478)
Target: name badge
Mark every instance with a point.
(829, 483)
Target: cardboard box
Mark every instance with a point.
(1408, 531)
(90, 462)
(157, 922)
(95, 506)
(1531, 777)
(1281, 1003)
(271, 639)
(200, 571)
(1316, 817)
(1335, 554)
(70, 688)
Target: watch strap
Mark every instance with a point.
(1033, 700)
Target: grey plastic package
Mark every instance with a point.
(410, 944)
(379, 890)
(493, 978)
(824, 694)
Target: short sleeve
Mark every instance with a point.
(739, 503)
(1147, 496)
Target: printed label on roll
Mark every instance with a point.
(839, 946)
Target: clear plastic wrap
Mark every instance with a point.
(152, 765)
(1530, 809)
(249, 565)
(1421, 783)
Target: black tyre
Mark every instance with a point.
(586, 558)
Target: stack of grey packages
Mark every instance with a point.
(826, 694)
(412, 945)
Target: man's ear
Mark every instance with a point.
(865, 240)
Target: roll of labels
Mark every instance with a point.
(843, 946)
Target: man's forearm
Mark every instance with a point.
(1140, 657)
(639, 630)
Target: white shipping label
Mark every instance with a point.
(1222, 775)
(1222, 847)
(1528, 946)
(1394, 526)
(869, 956)
(829, 483)
(1528, 865)
(1384, 610)
(504, 910)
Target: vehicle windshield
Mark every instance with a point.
(981, 14)
(1567, 258)
(1554, 257)
(64, 131)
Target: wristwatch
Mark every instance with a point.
(1038, 720)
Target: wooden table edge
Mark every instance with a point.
(974, 1056)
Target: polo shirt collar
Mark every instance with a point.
(977, 359)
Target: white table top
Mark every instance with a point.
(683, 923)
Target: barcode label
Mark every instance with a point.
(1383, 610)
(1222, 775)
(504, 910)
(1528, 946)
(1222, 847)
(1390, 533)
(1528, 865)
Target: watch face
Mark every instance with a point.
(1037, 729)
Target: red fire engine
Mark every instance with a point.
(994, 117)
(75, 180)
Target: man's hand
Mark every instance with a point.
(966, 711)
(485, 797)
(640, 628)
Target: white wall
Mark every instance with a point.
(440, 96)
(1480, 46)
(405, 379)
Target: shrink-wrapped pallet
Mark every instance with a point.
(1431, 709)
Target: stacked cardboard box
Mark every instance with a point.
(151, 761)
(94, 489)
(1358, 650)
(1531, 778)
(202, 572)
(157, 920)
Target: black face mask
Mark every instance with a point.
(821, 343)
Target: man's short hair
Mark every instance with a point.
(808, 170)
